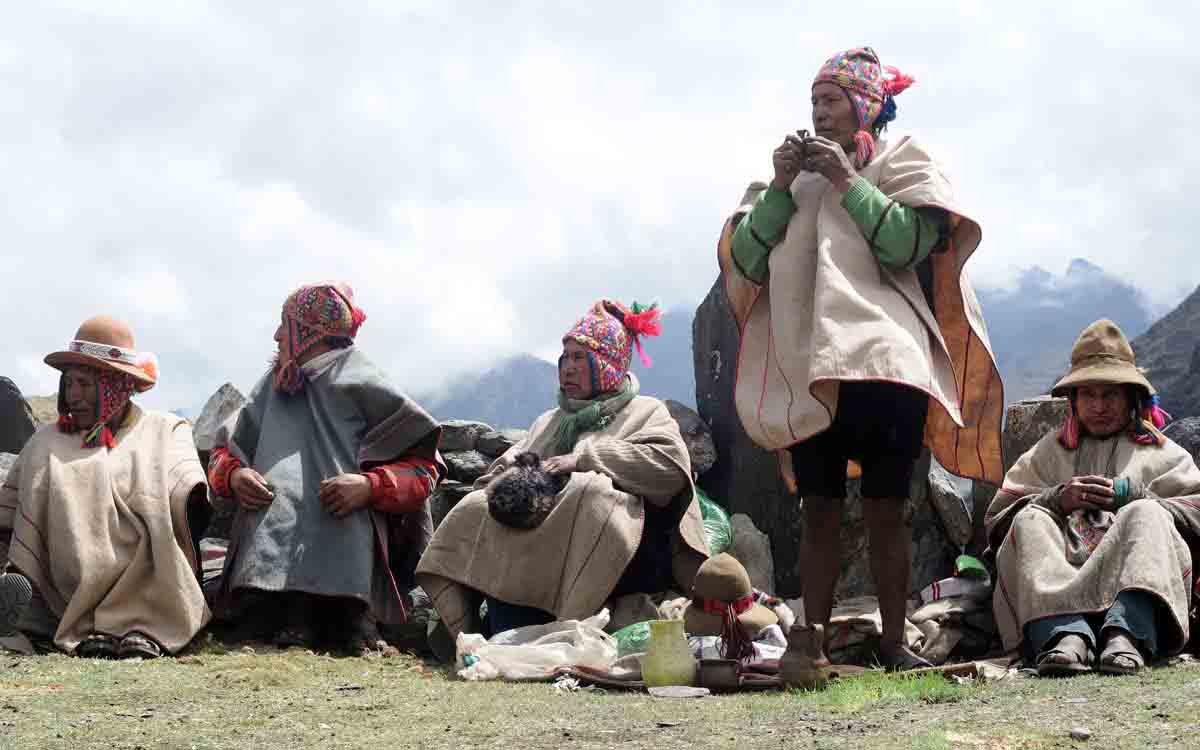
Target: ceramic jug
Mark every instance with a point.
(668, 660)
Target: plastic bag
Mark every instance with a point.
(536, 651)
(718, 533)
(633, 639)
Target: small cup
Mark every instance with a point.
(719, 674)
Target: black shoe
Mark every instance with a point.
(902, 660)
(15, 594)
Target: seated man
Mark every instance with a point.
(331, 467)
(103, 510)
(1088, 557)
(626, 520)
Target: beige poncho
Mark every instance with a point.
(1047, 564)
(570, 563)
(103, 535)
(830, 312)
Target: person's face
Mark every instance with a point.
(1103, 409)
(79, 388)
(280, 331)
(833, 115)
(574, 373)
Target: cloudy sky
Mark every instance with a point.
(479, 172)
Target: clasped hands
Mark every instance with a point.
(802, 152)
(341, 495)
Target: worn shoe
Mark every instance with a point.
(1069, 656)
(15, 594)
(901, 660)
(1121, 655)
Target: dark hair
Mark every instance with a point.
(338, 342)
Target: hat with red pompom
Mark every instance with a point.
(611, 331)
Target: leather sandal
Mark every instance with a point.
(15, 594)
(902, 660)
(97, 646)
(1071, 655)
(137, 645)
(1121, 656)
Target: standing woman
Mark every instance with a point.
(860, 335)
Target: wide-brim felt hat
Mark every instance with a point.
(108, 344)
(724, 580)
(1102, 356)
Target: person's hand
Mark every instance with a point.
(565, 464)
(345, 493)
(787, 162)
(250, 489)
(1088, 493)
(828, 159)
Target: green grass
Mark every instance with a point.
(220, 698)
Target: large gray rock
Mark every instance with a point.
(466, 466)
(446, 496)
(494, 444)
(1026, 422)
(745, 478)
(17, 423)
(220, 410)
(752, 548)
(461, 435)
(1186, 432)
(696, 436)
(953, 499)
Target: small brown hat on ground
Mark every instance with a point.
(722, 581)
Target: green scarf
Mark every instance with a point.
(580, 416)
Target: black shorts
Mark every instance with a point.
(881, 425)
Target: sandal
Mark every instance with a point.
(97, 646)
(15, 594)
(900, 660)
(1121, 655)
(1071, 655)
(138, 645)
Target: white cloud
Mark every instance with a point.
(481, 172)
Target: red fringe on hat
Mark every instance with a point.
(645, 323)
(898, 81)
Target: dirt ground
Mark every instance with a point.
(220, 698)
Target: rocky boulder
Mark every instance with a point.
(1186, 432)
(1026, 422)
(752, 548)
(696, 436)
(954, 500)
(466, 466)
(495, 444)
(219, 411)
(17, 422)
(6, 462)
(445, 497)
(462, 435)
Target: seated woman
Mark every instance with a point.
(100, 511)
(626, 520)
(1088, 558)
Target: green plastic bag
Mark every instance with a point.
(633, 639)
(718, 533)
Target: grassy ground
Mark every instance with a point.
(238, 699)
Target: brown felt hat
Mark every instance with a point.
(1102, 356)
(722, 579)
(107, 343)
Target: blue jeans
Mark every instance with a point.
(502, 616)
(1133, 612)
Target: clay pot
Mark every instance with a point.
(798, 667)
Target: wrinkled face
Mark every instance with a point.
(280, 331)
(574, 372)
(1103, 410)
(833, 115)
(79, 389)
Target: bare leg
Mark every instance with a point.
(891, 560)
(820, 555)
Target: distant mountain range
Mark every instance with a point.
(1032, 328)
(1170, 354)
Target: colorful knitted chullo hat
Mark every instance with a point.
(611, 331)
(312, 314)
(858, 72)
